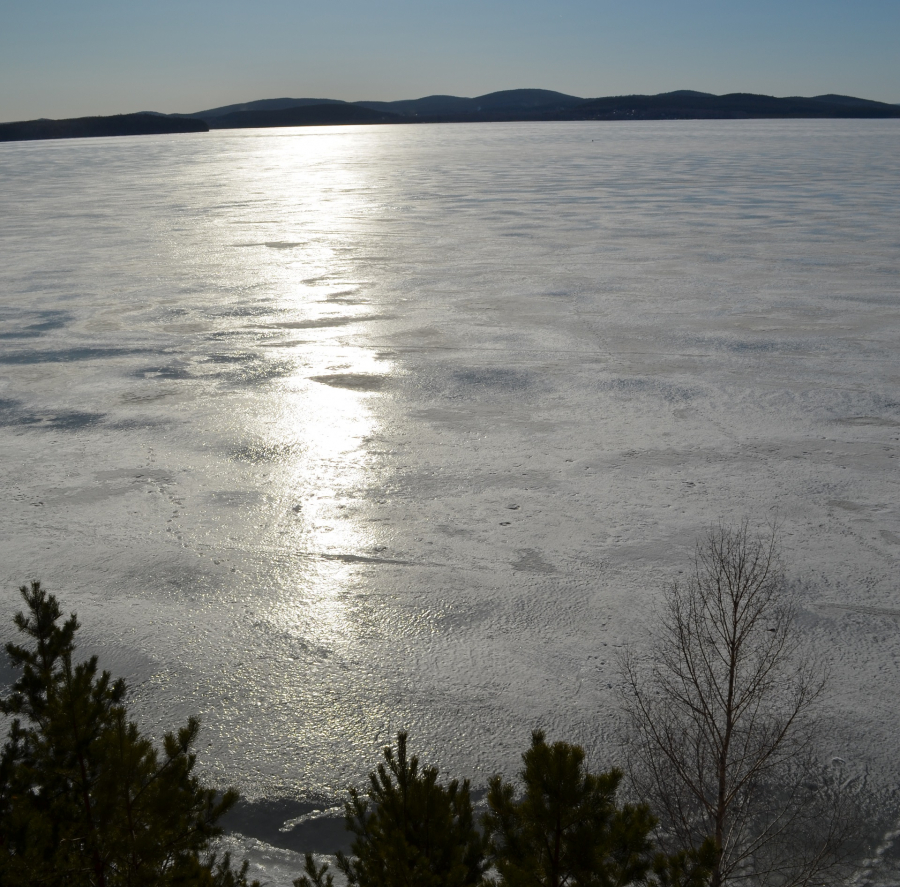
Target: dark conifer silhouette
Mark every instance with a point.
(85, 798)
(409, 830)
(566, 828)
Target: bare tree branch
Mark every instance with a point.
(722, 719)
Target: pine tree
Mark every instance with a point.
(567, 829)
(85, 798)
(410, 831)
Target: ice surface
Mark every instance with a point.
(330, 432)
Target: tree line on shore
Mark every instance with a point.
(720, 784)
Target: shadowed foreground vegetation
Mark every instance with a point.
(718, 720)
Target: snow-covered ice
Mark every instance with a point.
(330, 432)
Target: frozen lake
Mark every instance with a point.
(330, 432)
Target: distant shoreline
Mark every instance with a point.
(523, 105)
(93, 127)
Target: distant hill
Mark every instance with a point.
(833, 99)
(540, 104)
(698, 106)
(330, 114)
(92, 127)
(433, 105)
(507, 105)
(689, 93)
(262, 105)
(510, 101)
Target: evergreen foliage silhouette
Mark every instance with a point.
(567, 829)
(85, 798)
(410, 830)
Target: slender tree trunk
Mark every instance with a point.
(129, 805)
(85, 792)
(86, 798)
(557, 850)
(722, 788)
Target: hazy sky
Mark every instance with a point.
(63, 58)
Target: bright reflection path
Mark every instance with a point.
(329, 426)
(323, 415)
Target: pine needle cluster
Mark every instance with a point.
(563, 828)
(86, 798)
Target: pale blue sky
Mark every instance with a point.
(63, 58)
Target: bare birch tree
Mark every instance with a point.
(721, 719)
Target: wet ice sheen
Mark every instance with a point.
(329, 432)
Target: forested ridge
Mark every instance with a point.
(514, 105)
